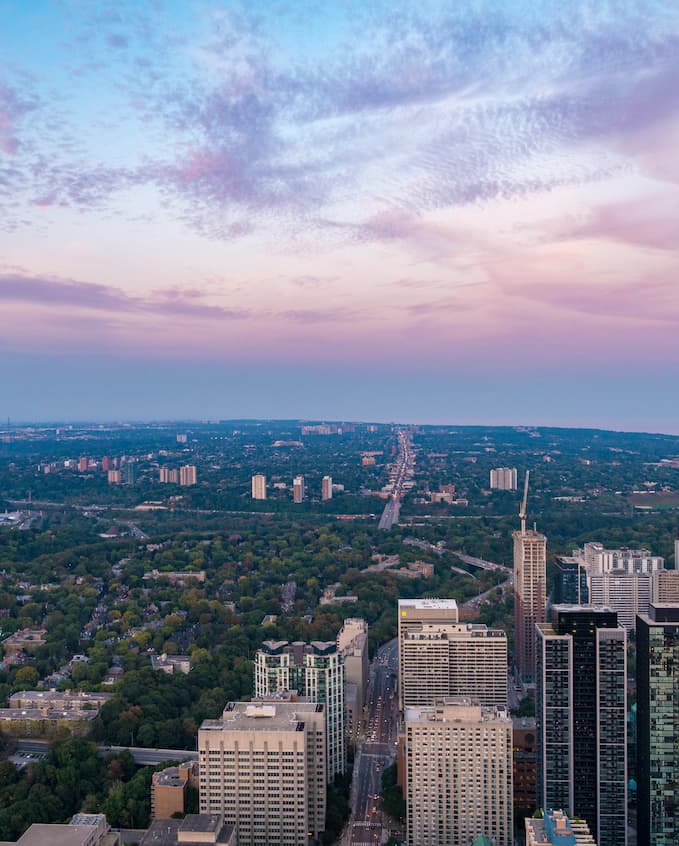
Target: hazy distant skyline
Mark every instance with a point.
(430, 212)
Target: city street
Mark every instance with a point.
(376, 750)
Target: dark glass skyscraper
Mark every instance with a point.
(581, 718)
(658, 726)
(570, 582)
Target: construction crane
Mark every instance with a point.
(522, 510)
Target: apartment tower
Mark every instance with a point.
(453, 659)
(530, 593)
(263, 767)
(458, 774)
(326, 488)
(314, 671)
(187, 475)
(412, 614)
(658, 726)
(581, 716)
(298, 489)
(259, 486)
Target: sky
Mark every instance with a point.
(425, 212)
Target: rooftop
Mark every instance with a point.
(269, 716)
(428, 604)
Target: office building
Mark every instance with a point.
(439, 660)
(458, 774)
(602, 560)
(554, 828)
(298, 489)
(503, 479)
(628, 594)
(570, 581)
(530, 581)
(326, 488)
(187, 475)
(259, 486)
(658, 726)
(581, 717)
(262, 766)
(665, 587)
(314, 671)
(352, 645)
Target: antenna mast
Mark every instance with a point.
(522, 510)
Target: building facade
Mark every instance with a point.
(503, 479)
(455, 659)
(263, 767)
(602, 560)
(187, 475)
(326, 488)
(259, 486)
(458, 762)
(298, 489)
(412, 614)
(530, 595)
(658, 726)
(316, 672)
(581, 719)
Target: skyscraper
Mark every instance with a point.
(658, 726)
(263, 767)
(187, 475)
(326, 488)
(298, 489)
(581, 719)
(530, 583)
(315, 671)
(458, 761)
(259, 486)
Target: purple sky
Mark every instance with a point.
(426, 212)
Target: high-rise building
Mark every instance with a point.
(352, 645)
(554, 828)
(315, 671)
(259, 486)
(570, 582)
(658, 726)
(164, 475)
(412, 614)
(530, 593)
(453, 659)
(458, 774)
(105, 464)
(665, 587)
(628, 594)
(298, 489)
(524, 765)
(503, 479)
(113, 477)
(83, 464)
(263, 767)
(129, 472)
(602, 560)
(581, 719)
(326, 488)
(187, 475)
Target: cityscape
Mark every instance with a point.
(305, 632)
(339, 438)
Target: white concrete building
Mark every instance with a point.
(503, 479)
(259, 486)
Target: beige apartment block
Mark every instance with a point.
(530, 596)
(458, 761)
(263, 767)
